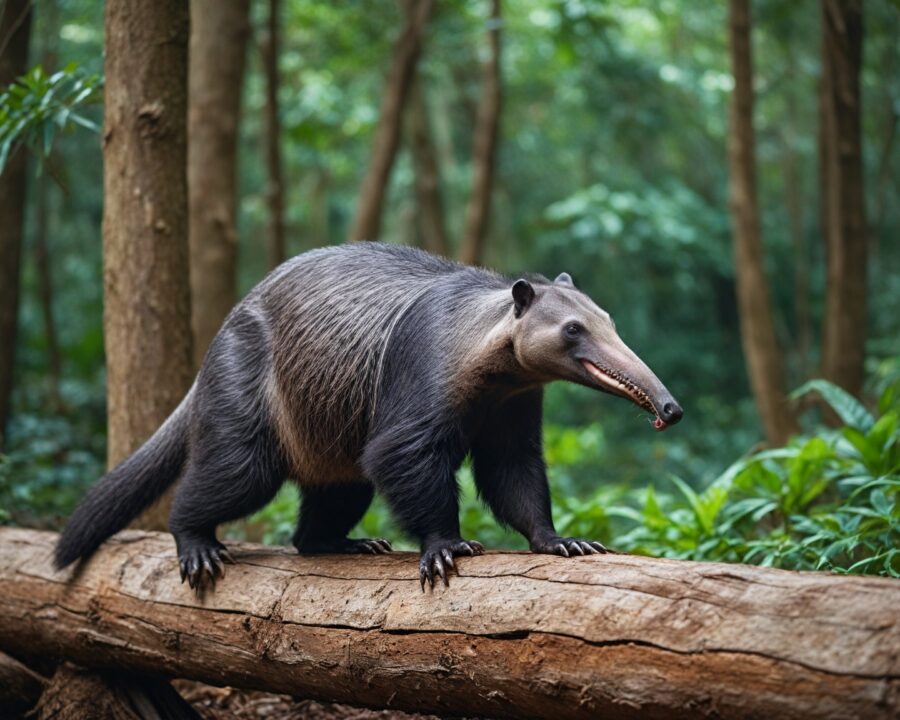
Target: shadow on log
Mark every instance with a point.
(515, 635)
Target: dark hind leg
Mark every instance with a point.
(210, 494)
(235, 464)
(328, 513)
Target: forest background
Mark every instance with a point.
(722, 178)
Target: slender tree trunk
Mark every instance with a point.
(795, 214)
(275, 242)
(844, 331)
(484, 150)
(15, 26)
(147, 310)
(219, 33)
(764, 358)
(42, 255)
(407, 48)
(428, 176)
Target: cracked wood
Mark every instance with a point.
(515, 635)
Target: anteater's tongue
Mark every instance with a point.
(660, 424)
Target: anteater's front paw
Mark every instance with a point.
(567, 546)
(437, 558)
(202, 562)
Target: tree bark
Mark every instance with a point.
(367, 222)
(761, 349)
(75, 693)
(487, 125)
(844, 329)
(15, 27)
(42, 255)
(515, 635)
(275, 238)
(147, 313)
(219, 33)
(430, 209)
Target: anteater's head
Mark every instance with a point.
(559, 333)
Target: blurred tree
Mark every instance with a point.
(484, 147)
(219, 33)
(275, 239)
(147, 311)
(15, 27)
(763, 354)
(843, 203)
(407, 48)
(430, 204)
(42, 212)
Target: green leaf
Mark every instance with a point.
(847, 407)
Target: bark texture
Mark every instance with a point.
(430, 204)
(840, 162)
(219, 33)
(15, 31)
(487, 125)
(75, 693)
(276, 251)
(515, 635)
(146, 317)
(407, 48)
(761, 348)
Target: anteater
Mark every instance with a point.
(372, 367)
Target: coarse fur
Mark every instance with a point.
(363, 368)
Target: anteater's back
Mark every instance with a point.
(331, 312)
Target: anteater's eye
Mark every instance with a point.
(573, 330)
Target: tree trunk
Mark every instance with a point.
(219, 33)
(515, 635)
(428, 177)
(147, 310)
(15, 26)
(42, 255)
(844, 330)
(275, 239)
(484, 151)
(764, 358)
(367, 222)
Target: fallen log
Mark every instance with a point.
(74, 693)
(515, 635)
(20, 687)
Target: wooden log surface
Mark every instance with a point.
(515, 635)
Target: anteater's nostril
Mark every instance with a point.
(672, 412)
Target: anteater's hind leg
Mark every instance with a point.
(235, 463)
(328, 513)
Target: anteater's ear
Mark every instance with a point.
(564, 279)
(523, 294)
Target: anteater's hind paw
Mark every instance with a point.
(568, 547)
(349, 546)
(202, 563)
(371, 546)
(437, 559)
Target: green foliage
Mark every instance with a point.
(829, 501)
(37, 106)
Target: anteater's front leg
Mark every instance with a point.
(413, 464)
(511, 476)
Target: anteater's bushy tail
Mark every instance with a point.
(126, 490)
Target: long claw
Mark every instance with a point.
(227, 556)
(477, 547)
(448, 558)
(422, 577)
(562, 550)
(599, 547)
(183, 571)
(439, 569)
(220, 566)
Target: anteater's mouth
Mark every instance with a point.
(620, 384)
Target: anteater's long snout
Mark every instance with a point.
(619, 370)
